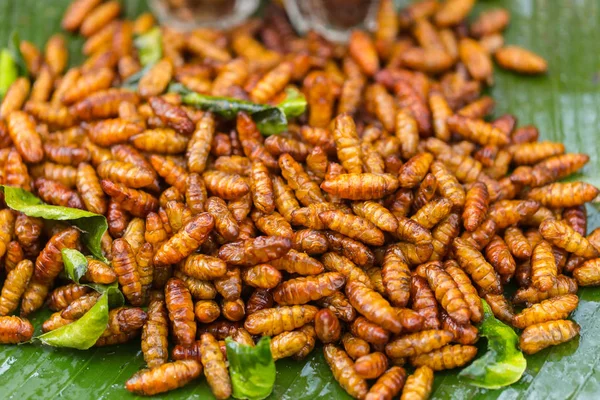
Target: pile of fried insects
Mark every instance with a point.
(374, 224)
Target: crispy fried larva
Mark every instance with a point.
(203, 267)
(34, 296)
(414, 170)
(543, 267)
(554, 308)
(448, 357)
(517, 243)
(476, 206)
(225, 185)
(418, 343)
(155, 335)
(448, 184)
(137, 202)
(287, 344)
(305, 289)
(517, 59)
(14, 286)
(50, 263)
(62, 296)
(352, 226)
(446, 291)
(327, 326)
(125, 266)
(261, 187)
(560, 234)
(361, 186)
(255, 251)
(418, 385)
(215, 368)
(467, 289)
(26, 139)
(474, 264)
(181, 311)
(199, 145)
(184, 242)
(15, 330)
(588, 274)
(163, 378)
(424, 302)
(343, 371)
(373, 306)
(539, 336)
(396, 277)
(273, 321)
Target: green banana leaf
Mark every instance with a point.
(565, 105)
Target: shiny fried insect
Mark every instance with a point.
(287, 344)
(163, 378)
(352, 226)
(255, 251)
(181, 311)
(125, 266)
(361, 186)
(474, 264)
(137, 202)
(373, 306)
(539, 336)
(14, 286)
(552, 309)
(448, 357)
(543, 267)
(273, 321)
(517, 59)
(396, 277)
(184, 242)
(15, 330)
(25, 137)
(446, 290)
(343, 371)
(418, 385)
(199, 145)
(562, 235)
(262, 188)
(448, 185)
(50, 263)
(225, 185)
(305, 289)
(215, 368)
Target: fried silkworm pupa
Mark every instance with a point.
(215, 367)
(551, 309)
(181, 311)
(517, 59)
(343, 371)
(310, 288)
(365, 186)
(50, 263)
(255, 251)
(273, 321)
(447, 357)
(125, 266)
(418, 385)
(373, 306)
(184, 242)
(418, 343)
(560, 234)
(163, 378)
(446, 291)
(539, 336)
(287, 344)
(15, 330)
(14, 286)
(327, 326)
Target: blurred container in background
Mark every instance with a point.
(186, 15)
(334, 19)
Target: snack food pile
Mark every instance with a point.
(375, 222)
